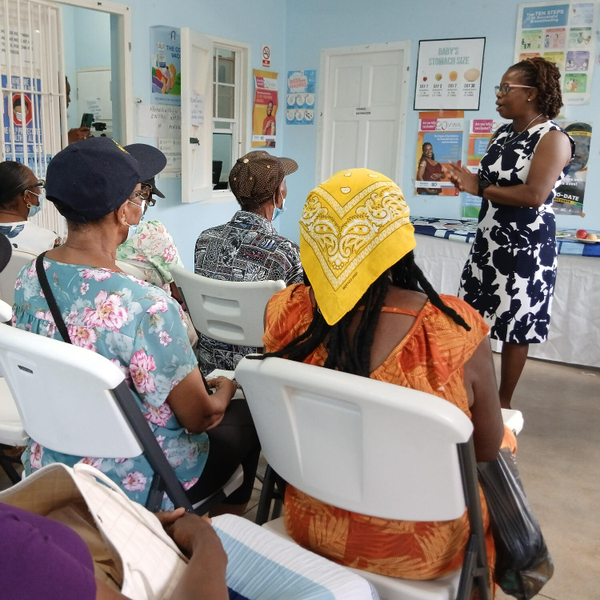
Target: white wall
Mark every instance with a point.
(315, 24)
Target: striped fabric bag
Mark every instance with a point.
(266, 566)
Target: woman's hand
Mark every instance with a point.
(194, 534)
(224, 385)
(462, 178)
(194, 407)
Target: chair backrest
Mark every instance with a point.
(130, 269)
(363, 445)
(75, 401)
(64, 395)
(227, 311)
(18, 260)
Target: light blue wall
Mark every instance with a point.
(296, 32)
(87, 44)
(258, 23)
(315, 24)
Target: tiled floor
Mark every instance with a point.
(559, 461)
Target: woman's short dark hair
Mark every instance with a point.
(545, 77)
(14, 180)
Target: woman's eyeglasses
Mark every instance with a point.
(145, 195)
(504, 88)
(147, 191)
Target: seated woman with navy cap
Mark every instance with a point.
(95, 184)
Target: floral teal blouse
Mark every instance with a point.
(138, 327)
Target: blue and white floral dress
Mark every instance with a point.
(510, 274)
(138, 327)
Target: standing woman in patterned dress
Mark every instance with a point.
(510, 274)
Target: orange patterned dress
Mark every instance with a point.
(431, 359)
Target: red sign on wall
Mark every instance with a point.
(266, 57)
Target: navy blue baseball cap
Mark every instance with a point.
(143, 153)
(89, 179)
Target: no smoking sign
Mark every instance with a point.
(266, 56)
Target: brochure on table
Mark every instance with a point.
(565, 34)
(449, 74)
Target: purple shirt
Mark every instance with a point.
(40, 558)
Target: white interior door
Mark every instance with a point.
(196, 116)
(364, 107)
(94, 96)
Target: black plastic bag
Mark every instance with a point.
(523, 563)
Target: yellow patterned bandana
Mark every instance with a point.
(354, 227)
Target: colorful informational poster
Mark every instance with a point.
(165, 53)
(439, 142)
(264, 111)
(481, 131)
(449, 74)
(569, 196)
(19, 119)
(562, 33)
(301, 97)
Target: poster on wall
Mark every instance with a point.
(481, 131)
(439, 141)
(165, 53)
(24, 110)
(449, 74)
(563, 33)
(569, 196)
(264, 109)
(301, 97)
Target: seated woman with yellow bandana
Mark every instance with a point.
(370, 311)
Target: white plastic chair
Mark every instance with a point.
(227, 311)
(19, 258)
(513, 419)
(373, 448)
(130, 269)
(11, 428)
(77, 402)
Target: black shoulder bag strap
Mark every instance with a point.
(58, 320)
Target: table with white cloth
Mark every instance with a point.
(443, 246)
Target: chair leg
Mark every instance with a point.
(266, 497)
(9, 469)
(272, 493)
(278, 497)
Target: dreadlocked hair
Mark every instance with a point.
(352, 354)
(545, 77)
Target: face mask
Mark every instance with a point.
(277, 212)
(33, 209)
(132, 230)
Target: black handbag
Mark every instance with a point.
(523, 563)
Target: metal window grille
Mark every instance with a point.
(33, 90)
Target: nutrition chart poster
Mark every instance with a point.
(563, 33)
(449, 74)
